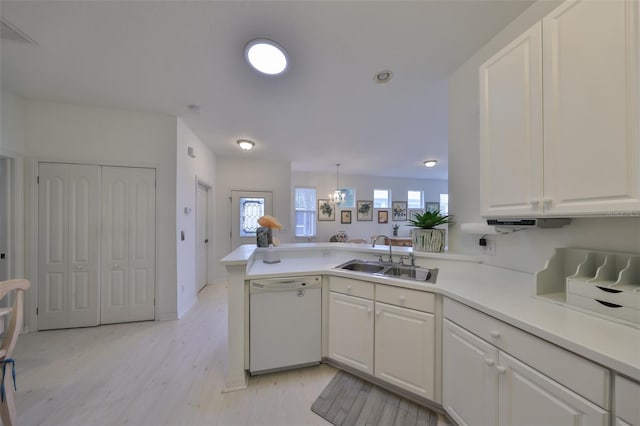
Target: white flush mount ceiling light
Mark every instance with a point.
(430, 163)
(245, 145)
(266, 56)
(383, 77)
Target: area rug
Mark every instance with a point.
(349, 400)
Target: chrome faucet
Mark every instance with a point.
(411, 257)
(373, 244)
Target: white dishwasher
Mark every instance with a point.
(285, 323)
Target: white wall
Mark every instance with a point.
(65, 132)
(12, 125)
(325, 183)
(527, 250)
(13, 146)
(250, 175)
(188, 171)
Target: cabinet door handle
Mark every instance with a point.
(80, 268)
(501, 369)
(349, 287)
(377, 313)
(494, 333)
(490, 362)
(115, 266)
(547, 201)
(534, 203)
(369, 311)
(402, 299)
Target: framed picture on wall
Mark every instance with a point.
(399, 211)
(383, 216)
(412, 213)
(345, 216)
(326, 210)
(432, 205)
(365, 210)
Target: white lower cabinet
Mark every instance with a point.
(484, 385)
(470, 385)
(403, 351)
(627, 398)
(351, 331)
(404, 348)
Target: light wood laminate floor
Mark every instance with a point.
(155, 373)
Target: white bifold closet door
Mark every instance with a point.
(68, 245)
(96, 245)
(128, 244)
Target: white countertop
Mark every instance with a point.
(504, 294)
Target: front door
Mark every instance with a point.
(246, 208)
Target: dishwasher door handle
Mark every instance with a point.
(301, 293)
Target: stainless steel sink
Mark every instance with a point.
(363, 266)
(413, 273)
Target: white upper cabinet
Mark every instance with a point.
(587, 160)
(511, 128)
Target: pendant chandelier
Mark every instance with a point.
(337, 197)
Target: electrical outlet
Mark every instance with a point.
(491, 248)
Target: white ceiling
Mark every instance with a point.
(160, 56)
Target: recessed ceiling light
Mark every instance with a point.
(245, 145)
(266, 56)
(430, 163)
(383, 77)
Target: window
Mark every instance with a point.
(414, 199)
(444, 203)
(349, 198)
(381, 198)
(251, 209)
(305, 212)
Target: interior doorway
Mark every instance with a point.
(6, 217)
(203, 200)
(246, 208)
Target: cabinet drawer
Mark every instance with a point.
(412, 299)
(351, 287)
(627, 395)
(578, 374)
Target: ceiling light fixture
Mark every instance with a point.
(337, 197)
(266, 56)
(430, 163)
(245, 145)
(383, 77)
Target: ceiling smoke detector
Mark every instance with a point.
(383, 77)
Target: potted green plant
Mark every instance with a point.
(426, 237)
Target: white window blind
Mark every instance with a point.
(305, 207)
(381, 198)
(414, 199)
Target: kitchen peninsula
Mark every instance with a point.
(465, 288)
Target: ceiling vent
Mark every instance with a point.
(10, 32)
